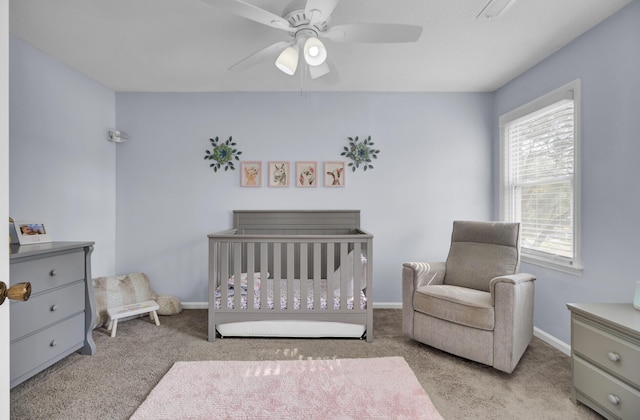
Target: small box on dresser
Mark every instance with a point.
(605, 358)
(58, 318)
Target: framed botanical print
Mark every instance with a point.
(334, 174)
(307, 174)
(251, 174)
(279, 174)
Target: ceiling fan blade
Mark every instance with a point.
(251, 12)
(320, 10)
(373, 32)
(270, 51)
(319, 71)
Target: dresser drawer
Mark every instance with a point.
(46, 309)
(608, 392)
(48, 272)
(46, 346)
(609, 351)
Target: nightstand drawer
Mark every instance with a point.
(47, 346)
(607, 350)
(614, 396)
(46, 309)
(49, 272)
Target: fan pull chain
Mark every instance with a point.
(302, 79)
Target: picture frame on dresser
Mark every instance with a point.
(31, 232)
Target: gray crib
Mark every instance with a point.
(286, 265)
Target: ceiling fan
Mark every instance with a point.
(307, 26)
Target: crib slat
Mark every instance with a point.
(237, 275)
(277, 274)
(304, 274)
(264, 268)
(251, 261)
(357, 275)
(224, 273)
(330, 275)
(290, 276)
(345, 278)
(317, 274)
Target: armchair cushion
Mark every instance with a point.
(470, 307)
(481, 251)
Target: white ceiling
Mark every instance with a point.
(188, 45)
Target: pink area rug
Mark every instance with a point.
(377, 388)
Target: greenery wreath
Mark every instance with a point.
(223, 154)
(360, 152)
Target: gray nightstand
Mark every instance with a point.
(605, 358)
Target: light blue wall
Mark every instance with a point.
(434, 167)
(607, 60)
(62, 169)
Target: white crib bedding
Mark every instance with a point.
(283, 295)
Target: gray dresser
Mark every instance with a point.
(605, 358)
(58, 318)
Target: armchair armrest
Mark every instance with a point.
(422, 273)
(512, 297)
(414, 275)
(512, 279)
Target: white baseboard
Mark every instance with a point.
(195, 305)
(551, 340)
(547, 338)
(387, 305)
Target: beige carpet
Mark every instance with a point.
(375, 388)
(113, 383)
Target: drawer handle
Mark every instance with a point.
(614, 357)
(55, 343)
(613, 399)
(53, 308)
(53, 272)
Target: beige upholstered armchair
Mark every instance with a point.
(475, 305)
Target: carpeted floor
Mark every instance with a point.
(112, 383)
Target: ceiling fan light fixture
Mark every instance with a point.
(287, 61)
(314, 51)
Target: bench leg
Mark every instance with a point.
(114, 327)
(154, 316)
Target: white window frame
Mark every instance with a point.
(571, 90)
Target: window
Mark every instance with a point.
(540, 174)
